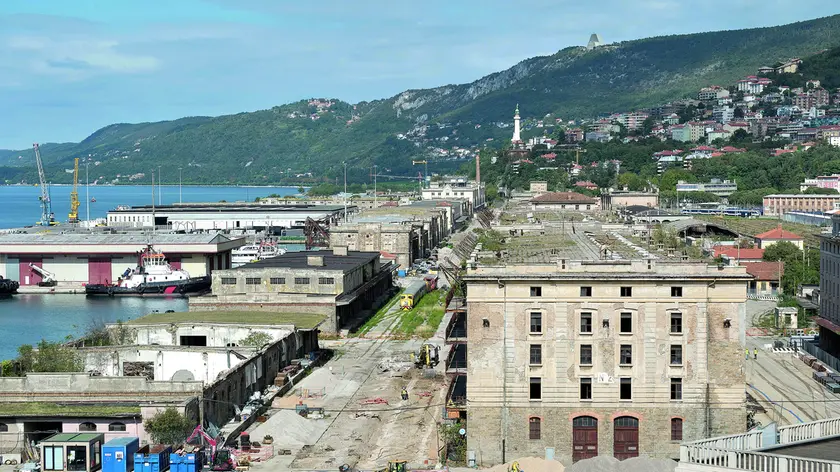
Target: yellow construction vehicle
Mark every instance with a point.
(393, 466)
(73, 216)
(427, 356)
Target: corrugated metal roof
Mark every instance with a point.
(113, 239)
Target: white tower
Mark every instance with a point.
(516, 137)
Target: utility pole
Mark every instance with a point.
(87, 192)
(345, 191)
(201, 413)
(153, 200)
(160, 192)
(180, 195)
(375, 194)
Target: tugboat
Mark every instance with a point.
(153, 276)
(8, 286)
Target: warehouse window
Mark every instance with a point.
(228, 281)
(626, 291)
(277, 280)
(676, 429)
(626, 326)
(535, 391)
(676, 389)
(586, 354)
(116, 426)
(676, 354)
(676, 323)
(676, 291)
(87, 426)
(4, 428)
(301, 280)
(626, 352)
(534, 428)
(536, 322)
(326, 281)
(252, 281)
(536, 291)
(586, 291)
(536, 354)
(626, 389)
(586, 322)
(586, 389)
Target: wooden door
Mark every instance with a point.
(626, 443)
(584, 438)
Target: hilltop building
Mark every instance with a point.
(594, 42)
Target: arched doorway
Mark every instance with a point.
(584, 438)
(626, 433)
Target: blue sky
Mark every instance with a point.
(69, 67)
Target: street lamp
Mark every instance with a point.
(345, 191)
(180, 195)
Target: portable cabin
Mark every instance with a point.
(72, 452)
(118, 454)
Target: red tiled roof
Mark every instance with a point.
(564, 197)
(733, 149)
(735, 253)
(586, 184)
(704, 148)
(779, 233)
(765, 270)
(550, 155)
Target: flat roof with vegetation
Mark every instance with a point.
(299, 320)
(56, 409)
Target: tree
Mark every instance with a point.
(783, 250)
(49, 357)
(169, 427)
(647, 125)
(454, 442)
(819, 191)
(491, 192)
(301, 190)
(257, 339)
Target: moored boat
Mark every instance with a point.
(8, 286)
(152, 276)
(254, 253)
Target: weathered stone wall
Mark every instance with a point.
(500, 367)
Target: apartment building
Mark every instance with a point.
(587, 358)
(779, 204)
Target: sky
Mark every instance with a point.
(70, 67)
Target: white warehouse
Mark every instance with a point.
(223, 216)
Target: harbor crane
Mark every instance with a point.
(47, 216)
(73, 216)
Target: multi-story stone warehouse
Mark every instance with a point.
(594, 358)
(337, 283)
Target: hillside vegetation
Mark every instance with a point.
(286, 143)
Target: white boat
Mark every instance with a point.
(254, 253)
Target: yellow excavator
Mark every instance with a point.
(73, 216)
(427, 356)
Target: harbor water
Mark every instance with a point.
(26, 319)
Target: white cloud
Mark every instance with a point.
(79, 58)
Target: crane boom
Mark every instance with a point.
(47, 217)
(73, 217)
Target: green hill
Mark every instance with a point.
(281, 143)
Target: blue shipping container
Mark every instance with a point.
(189, 462)
(118, 454)
(152, 458)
